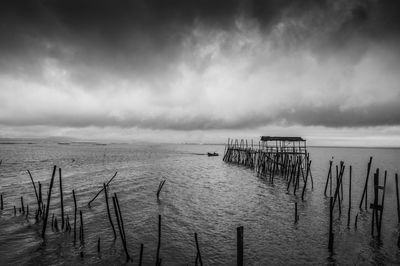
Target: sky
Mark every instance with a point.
(201, 70)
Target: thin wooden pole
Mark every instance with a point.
(82, 237)
(160, 186)
(98, 193)
(239, 245)
(34, 187)
(141, 255)
(331, 236)
(198, 249)
(348, 213)
(75, 211)
(296, 216)
(159, 240)
(108, 211)
(22, 204)
(397, 197)
(2, 207)
(365, 191)
(62, 200)
(48, 202)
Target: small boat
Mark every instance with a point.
(212, 154)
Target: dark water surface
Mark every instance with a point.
(202, 194)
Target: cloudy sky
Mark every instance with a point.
(201, 70)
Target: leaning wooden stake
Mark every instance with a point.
(240, 246)
(397, 198)
(62, 201)
(365, 191)
(81, 234)
(198, 256)
(108, 211)
(75, 211)
(331, 236)
(159, 241)
(98, 193)
(348, 213)
(160, 186)
(48, 202)
(34, 187)
(329, 178)
(119, 222)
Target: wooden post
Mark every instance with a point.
(348, 213)
(397, 197)
(120, 225)
(98, 193)
(22, 205)
(160, 186)
(331, 236)
(108, 211)
(82, 237)
(98, 245)
(34, 187)
(141, 255)
(48, 202)
(382, 206)
(40, 198)
(296, 216)
(365, 191)
(240, 246)
(15, 211)
(198, 250)
(2, 207)
(62, 201)
(159, 240)
(75, 211)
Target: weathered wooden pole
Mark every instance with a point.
(160, 186)
(81, 235)
(239, 245)
(198, 250)
(348, 213)
(98, 245)
(15, 211)
(141, 255)
(1, 207)
(159, 240)
(382, 205)
(108, 211)
(34, 187)
(365, 191)
(331, 236)
(22, 205)
(397, 198)
(62, 200)
(48, 202)
(75, 211)
(40, 198)
(98, 193)
(121, 232)
(296, 216)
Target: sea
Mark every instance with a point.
(201, 195)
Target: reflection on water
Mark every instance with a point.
(202, 194)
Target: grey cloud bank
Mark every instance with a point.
(199, 65)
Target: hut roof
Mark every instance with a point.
(269, 138)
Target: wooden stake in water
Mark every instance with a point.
(160, 186)
(48, 202)
(141, 255)
(98, 193)
(397, 198)
(239, 245)
(2, 208)
(22, 205)
(348, 213)
(98, 245)
(198, 256)
(34, 187)
(331, 236)
(62, 200)
(75, 211)
(365, 191)
(159, 241)
(296, 216)
(81, 234)
(120, 226)
(329, 178)
(108, 211)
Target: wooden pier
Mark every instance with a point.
(284, 156)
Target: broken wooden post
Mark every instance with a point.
(62, 200)
(331, 236)
(365, 191)
(160, 186)
(34, 187)
(98, 193)
(239, 245)
(397, 198)
(108, 210)
(141, 255)
(48, 202)
(348, 213)
(198, 256)
(159, 240)
(75, 211)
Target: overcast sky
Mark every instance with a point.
(201, 70)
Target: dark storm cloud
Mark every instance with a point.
(95, 46)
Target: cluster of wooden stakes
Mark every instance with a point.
(336, 198)
(42, 215)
